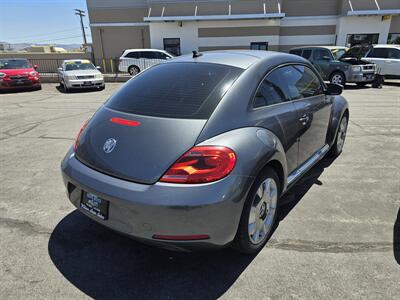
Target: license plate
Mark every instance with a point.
(95, 205)
(87, 83)
(19, 82)
(369, 76)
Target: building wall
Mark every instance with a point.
(119, 24)
(364, 24)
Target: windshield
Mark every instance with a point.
(79, 65)
(176, 90)
(338, 52)
(357, 51)
(15, 64)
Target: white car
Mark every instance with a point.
(79, 73)
(386, 58)
(133, 61)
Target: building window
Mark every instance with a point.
(259, 46)
(394, 38)
(173, 46)
(369, 38)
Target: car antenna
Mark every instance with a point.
(196, 54)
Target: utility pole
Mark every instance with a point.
(81, 14)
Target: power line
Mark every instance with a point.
(50, 40)
(46, 34)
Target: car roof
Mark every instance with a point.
(387, 46)
(317, 47)
(73, 60)
(143, 50)
(236, 58)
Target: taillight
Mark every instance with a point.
(201, 164)
(78, 136)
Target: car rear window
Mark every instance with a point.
(175, 90)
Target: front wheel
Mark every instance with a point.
(259, 213)
(338, 78)
(337, 146)
(133, 70)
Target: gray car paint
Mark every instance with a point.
(270, 135)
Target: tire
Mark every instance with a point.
(133, 70)
(64, 88)
(340, 138)
(338, 78)
(262, 207)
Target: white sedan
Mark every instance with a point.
(78, 74)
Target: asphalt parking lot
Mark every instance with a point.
(339, 237)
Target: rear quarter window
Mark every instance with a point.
(175, 90)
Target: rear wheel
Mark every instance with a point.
(338, 78)
(259, 213)
(133, 70)
(337, 146)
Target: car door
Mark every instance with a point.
(321, 59)
(379, 56)
(313, 107)
(393, 62)
(273, 110)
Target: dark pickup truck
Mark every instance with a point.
(338, 65)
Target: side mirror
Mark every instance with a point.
(59, 69)
(98, 68)
(35, 67)
(333, 89)
(325, 57)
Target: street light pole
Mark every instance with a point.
(81, 14)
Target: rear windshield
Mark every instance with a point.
(175, 90)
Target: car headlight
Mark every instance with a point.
(71, 77)
(99, 76)
(2, 75)
(356, 68)
(33, 73)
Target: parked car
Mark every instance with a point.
(387, 59)
(133, 61)
(337, 65)
(202, 158)
(79, 74)
(18, 73)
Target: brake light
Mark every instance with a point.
(78, 136)
(125, 122)
(201, 164)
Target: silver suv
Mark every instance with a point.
(337, 65)
(133, 61)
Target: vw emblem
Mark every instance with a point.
(109, 145)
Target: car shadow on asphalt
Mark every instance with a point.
(104, 264)
(396, 238)
(76, 91)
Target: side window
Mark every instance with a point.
(160, 55)
(149, 55)
(306, 53)
(319, 54)
(379, 53)
(270, 90)
(133, 54)
(394, 53)
(295, 52)
(304, 83)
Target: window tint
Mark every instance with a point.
(295, 52)
(175, 90)
(295, 82)
(161, 55)
(150, 55)
(306, 54)
(394, 53)
(133, 55)
(268, 93)
(379, 53)
(319, 54)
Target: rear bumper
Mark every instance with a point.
(142, 211)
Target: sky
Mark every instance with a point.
(42, 21)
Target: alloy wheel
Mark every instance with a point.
(262, 211)
(341, 135)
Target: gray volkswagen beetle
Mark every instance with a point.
(197, 152)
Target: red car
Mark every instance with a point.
(18, 73)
